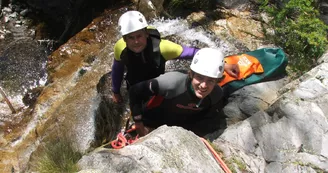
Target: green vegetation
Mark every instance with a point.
(191, 4)
(299, 31)
(217, 150)
(57, 156)
(316, 168)
(234, 163)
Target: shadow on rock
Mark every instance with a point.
(109, 115)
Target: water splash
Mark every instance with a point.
(191, 36)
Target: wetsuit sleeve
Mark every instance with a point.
(140, 91)
(119, 46)
(117, 76)
(171, 50)
(118, 66)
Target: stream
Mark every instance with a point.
(70, 103)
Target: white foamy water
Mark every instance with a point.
(15, 99)
(6, 114)
(181, 28)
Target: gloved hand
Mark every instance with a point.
(117, 98)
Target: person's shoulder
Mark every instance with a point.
(175, 74)
(171, 82)
(120, 45)
(172, 77)
(151, 27)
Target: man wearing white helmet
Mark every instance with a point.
(144, 53)
(178, 99)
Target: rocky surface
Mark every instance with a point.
(160, 151)
(276, 130)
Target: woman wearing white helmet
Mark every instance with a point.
(178, 99)
(144, 53)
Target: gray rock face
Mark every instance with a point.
(167, 149)
(236, 4)
(291, 133)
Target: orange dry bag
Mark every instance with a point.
(248, 65)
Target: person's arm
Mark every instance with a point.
(138, 92)
(188, 52)
(117, 76)
(118, 66)
(171, 50)
(232, 69)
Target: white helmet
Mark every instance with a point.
(131, 21)
(208, 62)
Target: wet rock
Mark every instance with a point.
(67, 18)
(323, 7)
(22, 65)
(31, 96)
(109, 114)
(150, 8)
(234, 4)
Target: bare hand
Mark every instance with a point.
(232, 69)
(141, 129)
(117, 98)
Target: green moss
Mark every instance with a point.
(234, 163)
(173, 5)
(57, 156)
(316, 168)
(217, 150)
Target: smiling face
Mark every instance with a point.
(202, 85)
(136, 41)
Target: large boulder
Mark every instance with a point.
(166, 149)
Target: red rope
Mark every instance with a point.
(216, 156)
(124, 138)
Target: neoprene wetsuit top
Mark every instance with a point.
(147, 64)
(171, 101)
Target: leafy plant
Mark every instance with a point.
(299, 31)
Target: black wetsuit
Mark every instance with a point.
(173, 102)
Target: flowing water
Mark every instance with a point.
(71, 103)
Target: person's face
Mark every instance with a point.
(202, 85)
(136, 41)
